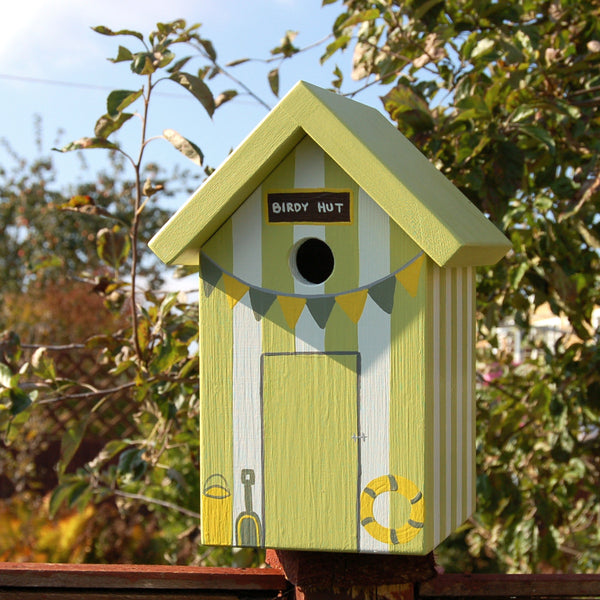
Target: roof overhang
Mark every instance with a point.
(421, 200)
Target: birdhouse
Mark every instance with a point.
(337, 334)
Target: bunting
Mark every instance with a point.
(352, 302)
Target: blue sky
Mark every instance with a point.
(53, 41)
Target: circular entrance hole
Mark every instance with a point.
(312, 261)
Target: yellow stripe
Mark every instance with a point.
(234, 289)
(353, 304)
(407, 384)
(216, 413)
(343, 241)
(277, 241)
(410, 276)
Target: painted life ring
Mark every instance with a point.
(390, 483)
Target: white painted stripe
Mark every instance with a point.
(374, 341)
(309, 173)
(459, 400)
(449, 399)
(470, 384)
(247, 349)
(435, 342)
(310, 165)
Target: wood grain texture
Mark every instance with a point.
(511, 586)
(137, 577)
(434, 213)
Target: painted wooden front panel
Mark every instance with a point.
(385, 307)
(310, 448)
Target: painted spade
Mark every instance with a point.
(247, 525)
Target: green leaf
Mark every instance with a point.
(224, 97)
(59, 495)
(87, 143)
(5, 376)
(123, 54)
(112, 448)
(422, 10)
(326, 2)
(483, 47)
(118, 100)
(337, 44)
(179, 65)
(131, 462)
(108, 124)
(365, 15)
(143, 63)
(43, 365)
(286, 46)
(519, 274)
(209, 48)
(185, 146)
(523, 113)
(106, 31)
(70, 442)
(273, 78)
(20, 401)
(239, 61)
(339, 78)
(113, 246)
(540, 135)
(197, 88)
(405, 106)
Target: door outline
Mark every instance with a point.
(360, 437)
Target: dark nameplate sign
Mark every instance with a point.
(312, 206)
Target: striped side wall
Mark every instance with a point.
(451, 341)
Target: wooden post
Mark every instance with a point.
(340, 576)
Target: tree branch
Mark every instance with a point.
(163, 503)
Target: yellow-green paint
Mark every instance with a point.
(216, 322)
(341, 333)
(407, 385)
(310, 456)
(276, 272)
(310, 430)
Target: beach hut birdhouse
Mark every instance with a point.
(337, 334)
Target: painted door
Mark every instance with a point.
(311, 449)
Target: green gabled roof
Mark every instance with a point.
(424, 203)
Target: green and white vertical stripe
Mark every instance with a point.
(451, 348)
(309, 173)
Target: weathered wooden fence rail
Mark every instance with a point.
(23, 581)
(491, 587)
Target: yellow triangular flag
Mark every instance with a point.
(234, 289)
(353, 304)
(409, 277)
(292, 308)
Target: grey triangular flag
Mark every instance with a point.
(320, 308)
(261, 301)
(210, 274)
(383, 294)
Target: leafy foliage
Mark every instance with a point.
(503, 97)
(58, 248)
